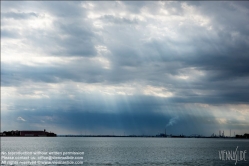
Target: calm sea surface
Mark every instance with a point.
(133, 151)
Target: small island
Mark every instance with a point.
(27, 133)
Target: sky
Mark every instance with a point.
(125, 67)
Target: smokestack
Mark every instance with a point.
(230, 132)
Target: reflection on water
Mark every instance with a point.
(133, 151)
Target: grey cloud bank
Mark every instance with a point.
(125, 66)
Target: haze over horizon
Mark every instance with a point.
(125, 67)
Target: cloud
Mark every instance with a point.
(133, 118)
(118, 59)
(15, 15)
(8, 34)
(118, 20)
(21, 119)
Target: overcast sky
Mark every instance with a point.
(125, 67)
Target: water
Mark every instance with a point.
(133, 151)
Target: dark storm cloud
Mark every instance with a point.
(79, 70)
(64, 10)
(67, 39)
(131, 122)
(70, 22)
(9, 34)
(134, 7)
(117, 20)
(15, 15)
(79, 40)
(227, 55)
(138, 118)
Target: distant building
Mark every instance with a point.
(2, 134)
(243, 136)
(29, 133)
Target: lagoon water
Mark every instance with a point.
(126, 151)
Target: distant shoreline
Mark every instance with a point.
(44, 133)
(135, 136)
